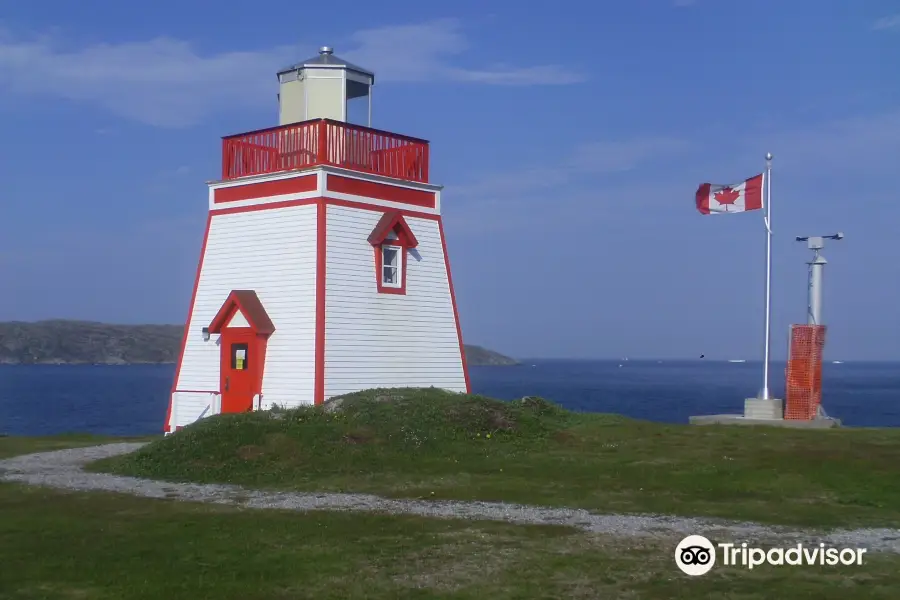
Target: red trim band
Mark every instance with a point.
(250, 191)
(379, 191)
(462, 350)
(321, 246)
(187, 326)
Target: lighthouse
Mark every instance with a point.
(323, 268)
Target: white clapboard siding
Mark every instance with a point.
(274, 253)
(387, 340)
(187, 407)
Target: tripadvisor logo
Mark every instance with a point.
(696, 555)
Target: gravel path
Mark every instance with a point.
(63, 469)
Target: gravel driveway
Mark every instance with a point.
(62, 469)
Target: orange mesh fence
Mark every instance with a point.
(803, 376)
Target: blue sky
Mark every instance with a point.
(570, 141)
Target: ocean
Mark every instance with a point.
(132, 400)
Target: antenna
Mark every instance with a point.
(816, 270)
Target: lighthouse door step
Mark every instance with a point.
(238, 369)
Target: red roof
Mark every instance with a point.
(393, 221)
(248, 303)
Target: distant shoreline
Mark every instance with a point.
(523, 363)
(67, 342)
(51, 363)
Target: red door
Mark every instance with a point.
(240, 366)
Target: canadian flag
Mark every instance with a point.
(717, 199)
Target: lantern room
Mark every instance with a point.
(325, 87)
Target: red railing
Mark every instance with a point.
(324, 142)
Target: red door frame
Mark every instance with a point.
(255, 336)
(238, 387)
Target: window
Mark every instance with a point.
(239, 358)
(391, 266)
(392, 240)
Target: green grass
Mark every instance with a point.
(112, 547)
(65, 546)
(434, 444)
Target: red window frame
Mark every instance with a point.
(403, 238)
(379, 264)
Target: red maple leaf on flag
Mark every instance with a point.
(727, 196)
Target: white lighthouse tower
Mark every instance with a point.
(324, 265)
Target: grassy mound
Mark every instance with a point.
(366, 434)
(429, 443)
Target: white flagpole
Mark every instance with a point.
(764, 394)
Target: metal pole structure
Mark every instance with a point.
(816, 273)
(764, 393)
(814, 282)
(816, 269)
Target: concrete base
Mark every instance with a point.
(756, 408)
(826, 423)
(765, 412)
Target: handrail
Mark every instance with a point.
(342, 123)
(325, 142)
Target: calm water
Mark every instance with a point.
(132, 400)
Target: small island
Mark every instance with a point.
(64, 342)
